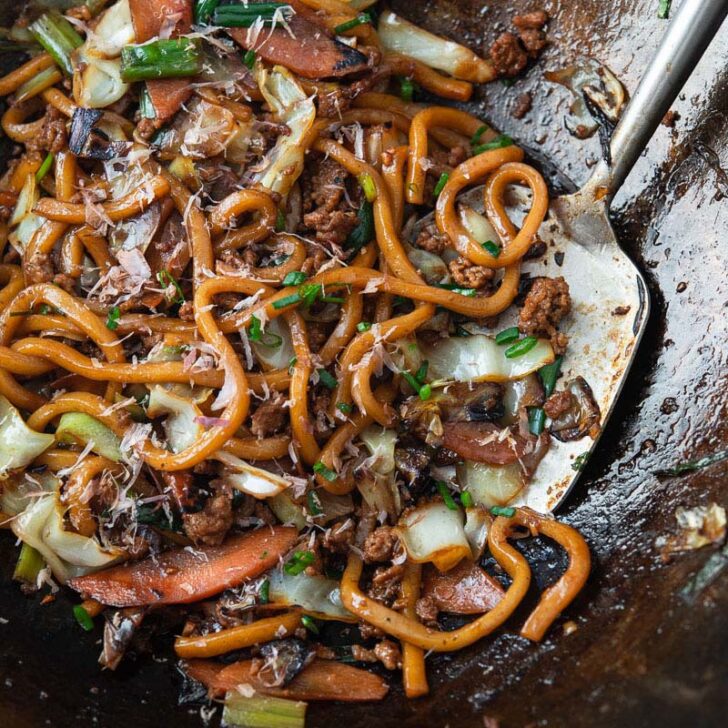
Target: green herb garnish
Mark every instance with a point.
(325, 472)
(112, 318)
(440, 186)
(83, 618)
(507, 336)
(506, 512)
(361, 19)
(327, 379)
(447, 498)
(502, 140)
(521, 347)
(298, 563)
(294, 278)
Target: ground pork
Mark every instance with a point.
(546, 304)
(523, 106)
(426, 610)
(387, 652)
(386, 582)
(469, 275)
(270, 416)
(379, 545)
(53, 135)
(331, 227)
(558, 404)
(339, 536)
(369, 631)
(431, 240)
(530, 30)
(322, 425)
(210, 525)
(508, 56)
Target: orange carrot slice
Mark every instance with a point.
(181, 576)
(321, 680)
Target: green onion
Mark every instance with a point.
(507, 512)
(280, 221)
(449, 501)
(421, 373)
(663, 9)
(425, 392)
(310, 293)
(166, 279)
(467, 499)
(692, 465)
(579, 461)
(476, 137)
(264, 592)
(44, 309)
(242, 16)
(536, 420)
(469, 292)
(361, 19)
(327, 379)
(146, 107)
(287, 301)
(38, 84)
(309, 624)
(363, 326)
(314, 504)
(492, 248)
(83, 618)
(298, 562)
(292, 363)
(363, 233)
(507, 335)
(170, 58)
(294, 278)
(549, 374)
(30, 563)
(502, 140)
(254, 332)
(344, 407)
(521, 347)
(406, 89)
(204, 10)
(258, 711)
(411, 381)
(322, 470)
(112, 318)
(366, 182)
(57, 37)
(45, 167)
(249, 59)
(440, 186)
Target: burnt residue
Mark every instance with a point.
(651, 637)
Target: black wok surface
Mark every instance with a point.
(652, 637)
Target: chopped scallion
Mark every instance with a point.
(663, 9)
(249, 59)
(280, 221)
(314, 504)
(254, 332)
(245, 16)
(29, 565)
(440, 186)
(264, 592)
(83, 618)
(287, 301)
(506, 512)
(344, 407)
(425, 392)
(327, 379)
(166, 279)
(361, 19)
(299, 562)
(363, 326)
(146, 107)
(112, 318)
(309, 624)
(204, 10)
(368, 187)
(363, 233)
(45, 167)
(406, 89)
(507, 336)
(294, 278)
(447, 498)
(466, 499)
(479, 133)
(168, 58)
(502, 140)
(325, 472)
(521, 347)
(58, 38)
(493, 248)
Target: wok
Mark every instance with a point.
(652, 635)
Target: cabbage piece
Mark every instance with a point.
(381, 444)
(251, 480)
(18, 491)
(290, 105)
(400, 36)
(317, 595)
(68, 554)
(433, 532)
(113, 31)
(270, 355)
(286, 510)
(477, 523)
(82, 429)
(491, 485)
(181, 426)
(432, 267)
(478, 225)
(29, 195)
(479, 359)
(20, 237)
(19, 445)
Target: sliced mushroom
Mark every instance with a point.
(583, 415)
(281, 660)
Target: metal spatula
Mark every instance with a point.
(610, 298)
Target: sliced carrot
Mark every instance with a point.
(321, 680)
(465, 589)
(307, 51)
(167, 94)
(181, 576)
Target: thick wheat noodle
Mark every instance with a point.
(96, 246)
(223, 216)
(29, 70)
(14, 124)
(372, 117)
(26, 365)
(393, 175)
(72, 307)
(428, 78)
(298, 392)
(12, 281)
(19, 395)
(27, 164)
(132, 204)
(56, 459)
(76, 495)
(60, 101)
(253, 448)
(387, 102)
(240, 111)
(419, 143)
(351, 313)
(414, 675)
(503, 174)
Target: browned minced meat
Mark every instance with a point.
(339, 536)
(546, 304)
(317, 335)
(264, 513)
(426, 610)
(469, 275)
(369, 631)
(53, 135)
(187, 311)
(379, 545)
(670, 118)
(508, 56)
(270, 416)
(363, 654)
(523, 106)
(558, 404)
(38, 269)
(530, 29)
(210, 525)
(322, 425)
(66, 282)
(323, 203)
(386, 583)
(431, 240)
(387, 652)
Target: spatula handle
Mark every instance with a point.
(690, 31)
